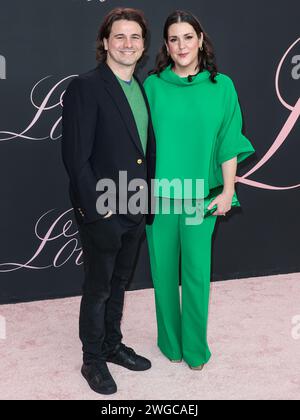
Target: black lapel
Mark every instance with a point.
(115, 90)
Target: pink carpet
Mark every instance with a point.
(255, 347)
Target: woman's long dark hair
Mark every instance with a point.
(206, 58)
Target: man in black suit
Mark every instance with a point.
(107, 130)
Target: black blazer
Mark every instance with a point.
(100, 138)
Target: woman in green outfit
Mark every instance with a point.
(198, 126)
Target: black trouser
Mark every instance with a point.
(110, 249)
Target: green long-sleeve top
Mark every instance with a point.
(197, 126)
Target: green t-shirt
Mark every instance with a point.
(138, 107)
(197, 126)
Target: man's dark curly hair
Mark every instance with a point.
(119, 13)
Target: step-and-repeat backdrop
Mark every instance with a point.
(44, 44)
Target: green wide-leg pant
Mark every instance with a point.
(182, 329)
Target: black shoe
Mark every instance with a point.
(126, 357)
(99, 378)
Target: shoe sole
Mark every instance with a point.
(107, 392)
(199, 368)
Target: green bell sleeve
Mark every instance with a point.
(230, 140)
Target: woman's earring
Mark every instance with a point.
(201, 48)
